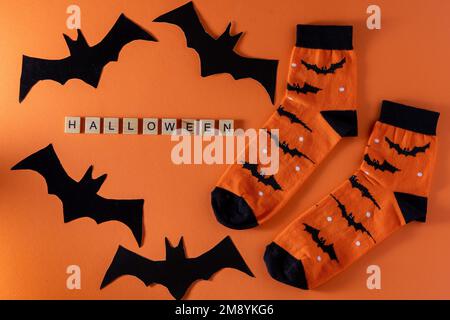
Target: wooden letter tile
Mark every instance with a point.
(72, 125)
(92, 125)
(150, 126)
(111, 125)
(130, 126)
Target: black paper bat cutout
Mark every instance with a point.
(291, 116)
(365, 193)
(405, 151)
(320, 241)
(177, 273)
(350, 218)
(307, 88)
(385, 166)
(80, 199)
(284, 146)
(266, 180)
(217, 55)
(324, 70)
(85, 62)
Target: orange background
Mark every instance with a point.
(406, 61)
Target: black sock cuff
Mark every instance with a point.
(324, 37)
(409, 118)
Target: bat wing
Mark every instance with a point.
(272, 182)
(417, 150)
(83, 204)
(329, 249)
(186, 18)
(309, 88)
(294, 152)
(313, 232)
(223, 255)
(123, 32)
(338, 65)
(369, 161)
(47, 164)
(262, 70)
(36, 69)
(396, 147)
(311, 66)
(287, 114)
(386, 166)
(293, 118)
(358, 226)
(253, 168)
(126, 262)
(391, 143)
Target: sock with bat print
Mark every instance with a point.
(388, 191)
(317, 111)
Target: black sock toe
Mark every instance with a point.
(231, 210)
(283, 267)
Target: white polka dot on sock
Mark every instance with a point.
(261, 193)
(377, 140)
(420, 174)
(290, 98)
(368, 214)
(329, 219)
(341, 89)
(319, 258)
(301, 139)
(294, 65)
(297, 168)
(357, 243)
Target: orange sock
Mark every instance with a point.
(317, 111)
(388, 191)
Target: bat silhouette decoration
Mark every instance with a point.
(80, 199)
(358, 226)
(284, 146)
(266, 180)
(85, 62)
(405, 151)
(321, 242)
(324, 70)
(217, 55)
(365, 193)
(294, 152)
(385, 166)
(291, 116)
(307, 88)
(177, 273)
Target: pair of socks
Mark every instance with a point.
(389, 190)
